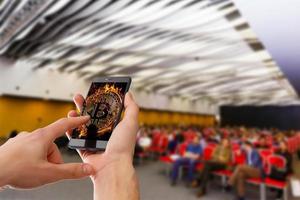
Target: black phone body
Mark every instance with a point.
(104, 104)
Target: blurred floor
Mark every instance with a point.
(154, 185)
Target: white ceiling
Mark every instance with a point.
(189, 48)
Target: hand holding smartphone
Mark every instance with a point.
(104, 104)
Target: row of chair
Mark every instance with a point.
(269, 159)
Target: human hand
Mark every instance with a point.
(33, 159)
(114, 173)
(120, 146)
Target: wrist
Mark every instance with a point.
(113, 168)
(117, 176)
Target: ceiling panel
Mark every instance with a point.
(194, 49)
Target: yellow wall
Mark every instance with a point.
(26, 114)
(151, 117)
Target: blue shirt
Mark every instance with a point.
(194, 148)
(254, 159)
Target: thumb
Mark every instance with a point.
(57, 172)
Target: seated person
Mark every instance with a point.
(213, 138)
(220, 159)
(278, 137)
(179, 136)
(172, 143)
(262, 143)
(283, 151)
(202, 140)
(253, 169)
(189, 159)
(163, 142)
(144, 141)
(281, 174)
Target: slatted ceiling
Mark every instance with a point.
(256, 73)
(221, 88)
(241, 94)
(142, 16)
(231, 89)
(204, 48)
(18, 18)
(182, 83)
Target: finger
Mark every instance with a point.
(57, 172)
(78, 100)
(80, 152)
(131, 108)
(54, 155)
(73, 113)
(61, 126)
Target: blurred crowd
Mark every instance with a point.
(237, 153)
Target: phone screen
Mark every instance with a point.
(104, 104)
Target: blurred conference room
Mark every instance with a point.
(216, 81)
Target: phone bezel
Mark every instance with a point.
(100, 145)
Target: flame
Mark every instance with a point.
(82, 131)
(95, 98)
(107, 88)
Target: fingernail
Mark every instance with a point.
(87, 169)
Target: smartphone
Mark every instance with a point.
(104, 104)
